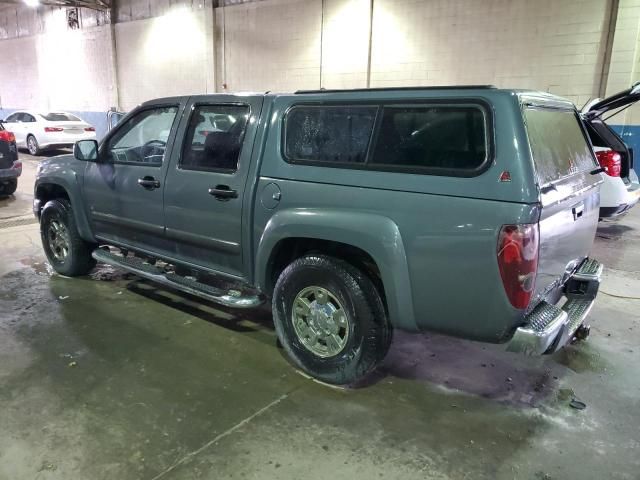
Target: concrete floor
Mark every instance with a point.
(110, 377)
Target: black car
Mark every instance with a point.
(10, 166)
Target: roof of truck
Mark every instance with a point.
(385, 89)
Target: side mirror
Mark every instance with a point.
(86, 150)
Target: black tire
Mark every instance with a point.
(369, 330)
(8, 187)
(32, 146)
(78, 260)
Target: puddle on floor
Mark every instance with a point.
(581, 358)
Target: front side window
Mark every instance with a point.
(143, 138)
(558, 144)
(328, 134)
(214, 138)
(431, 137)
(13, 118)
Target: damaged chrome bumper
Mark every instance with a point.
(547, 328)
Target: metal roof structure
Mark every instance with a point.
(93, 4)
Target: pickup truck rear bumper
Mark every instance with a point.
(548, 327)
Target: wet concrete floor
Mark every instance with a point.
(110, 377)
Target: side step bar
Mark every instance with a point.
(229, 298)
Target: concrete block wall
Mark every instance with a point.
(345, 43)
(547, 45)
(176, 47)
(165, 56)
(271, 45)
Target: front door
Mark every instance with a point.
(206, 184)
(124, 188)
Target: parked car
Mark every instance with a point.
(356, 212)
(621, 189)
(10, 166)
(40, 131)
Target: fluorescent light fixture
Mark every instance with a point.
(32, 3)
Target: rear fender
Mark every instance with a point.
(377, 235)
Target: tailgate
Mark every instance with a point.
(569, 195)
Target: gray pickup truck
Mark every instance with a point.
(463, 210)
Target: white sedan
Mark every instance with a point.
(38, 131)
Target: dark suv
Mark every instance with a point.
(10, 166)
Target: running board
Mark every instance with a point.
(229, 298)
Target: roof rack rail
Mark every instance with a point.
(393, 89)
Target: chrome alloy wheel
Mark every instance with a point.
(32, 146)
(58, 238)
(320, 322)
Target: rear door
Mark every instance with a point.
(569, 192)
(206, 183)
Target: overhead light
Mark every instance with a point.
(32, 3)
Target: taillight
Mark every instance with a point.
(53, 129)
(17, 165)
(518, 261)
(89, 129)
(6, 136)
(610, 161)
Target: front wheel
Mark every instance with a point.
(66, 251)
(330, 319)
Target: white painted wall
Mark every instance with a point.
(625, 59)
(546, 45)
(60, 69)
(269, 45)
(165, 56)
(181, 47)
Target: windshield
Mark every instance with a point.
(60, 117)
(558, 144)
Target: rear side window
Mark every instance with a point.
(214, 138)
(558, 144)
(60, 117)
(329, 134)
(431, 137)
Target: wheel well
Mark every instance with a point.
(49, 191)
(287, 250)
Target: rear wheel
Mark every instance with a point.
(32, 145)
(330, 319)
(66, 251)
(8, 187)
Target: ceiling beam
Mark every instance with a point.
(92, 4)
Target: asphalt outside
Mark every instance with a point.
(113, 377)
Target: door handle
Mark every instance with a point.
(578, 210)
(223, 192)
(149, 183)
